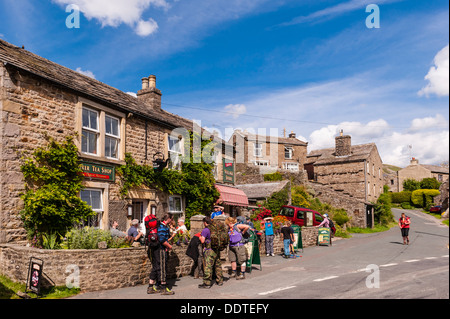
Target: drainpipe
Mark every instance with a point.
(365, 181)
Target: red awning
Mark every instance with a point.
(231, 196)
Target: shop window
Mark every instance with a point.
(291, 166)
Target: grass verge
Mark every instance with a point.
(11, 290)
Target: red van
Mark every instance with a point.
(301, 216)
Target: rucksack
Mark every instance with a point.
(235, 236)
(151, 230)
(219, 235)
(332, 227)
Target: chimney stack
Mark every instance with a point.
(149, 94)
(292, 135)
(343, 144)
(414, 161)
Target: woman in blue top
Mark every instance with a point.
(268, 230)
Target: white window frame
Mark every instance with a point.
(290, 166)
(181, 211)
(261, 162)
(177, 153)
(112, 136)
(100, 211)
(290, 151)
(258, 151)
(90, 130)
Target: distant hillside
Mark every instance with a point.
(389, 169)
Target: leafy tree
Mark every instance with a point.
(411, 185)
(429, 183)
(53, 182)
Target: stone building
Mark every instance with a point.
(41, 98)
(418, 172)
(269, 153)
(352, 170)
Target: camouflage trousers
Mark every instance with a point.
(211, 264)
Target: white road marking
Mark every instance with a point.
(430, 257)
(326, 278)
(389, 265)
(275, 290)
(445, 256)
(411, 260)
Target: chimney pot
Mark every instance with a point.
(152, 81)
(292, 135)
(144, 83)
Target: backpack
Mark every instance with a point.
(332, 227)
(151, 228)
(219, 235)
(235, 236)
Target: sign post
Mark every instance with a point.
(253, 252)
(324, 237)
(34, 275)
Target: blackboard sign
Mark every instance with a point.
(324, 237)
(35, 275)
(253, 252)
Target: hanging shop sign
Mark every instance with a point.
(228, 171)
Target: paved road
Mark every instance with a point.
(346, 270)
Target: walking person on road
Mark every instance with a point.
(404, 223)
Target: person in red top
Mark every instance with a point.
(404, 223)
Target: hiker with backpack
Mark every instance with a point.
(237, 253)
(214, 238)
(327, 222)
(159, 248)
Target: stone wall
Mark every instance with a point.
(355, 207)
(102, 269)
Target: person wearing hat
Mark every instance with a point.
(134, 234)
(217, 211)
(267, 226)
(325, 222)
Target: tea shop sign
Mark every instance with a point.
(95, 171)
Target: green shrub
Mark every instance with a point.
(429, 183)
(89, 237)
(382, 210)
(401, 197)
(411, 185)
(424, 197)
(406, 205)
(277, 176)
(340, 216)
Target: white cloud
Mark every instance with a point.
(428, 136)
(87, 73)
(145, 28)
(115, 12)
(438, 75)
(236, 110)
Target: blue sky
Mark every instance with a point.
(312, 67)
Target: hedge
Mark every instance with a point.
(401, 197)
(424, 197)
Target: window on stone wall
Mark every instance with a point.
(288, 152)
(112, 137)
(258, 149)
(94, 198)
(174, 152)
(175, 205)
(90, 132)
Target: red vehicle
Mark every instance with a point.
(301, 216)
(436, 209)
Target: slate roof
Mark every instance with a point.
(22, 59)
(267, 139)
(262, 190)
(327, 156)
